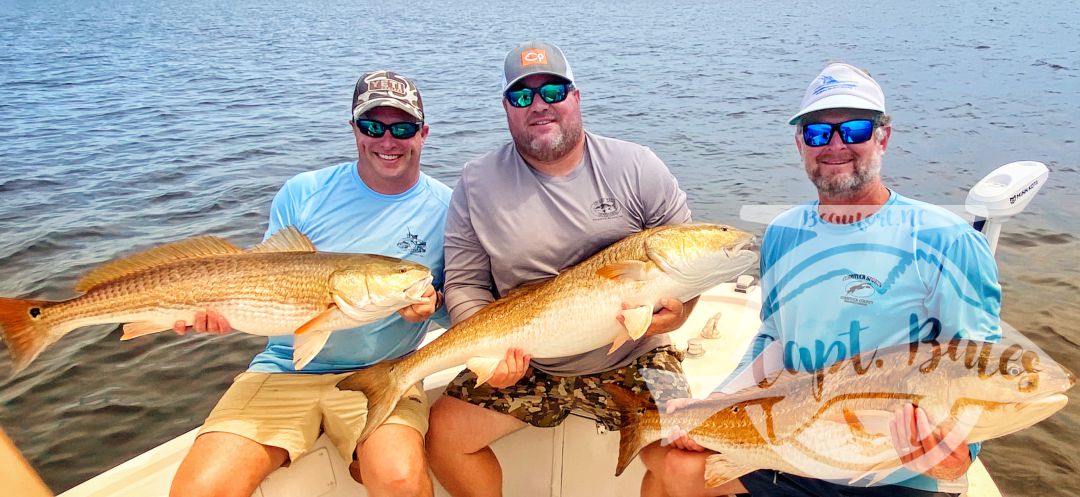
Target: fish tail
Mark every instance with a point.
(383, 385)
(23, 330)
(632, 435)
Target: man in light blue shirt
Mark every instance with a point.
(379, 204)
(860, 269)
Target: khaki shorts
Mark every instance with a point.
(545, 400)
(291, 410)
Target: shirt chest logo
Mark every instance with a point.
(605, 208)
(860, 289)
(412, 244)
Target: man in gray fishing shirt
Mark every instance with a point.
(519, 215)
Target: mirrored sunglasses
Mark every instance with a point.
(551, 93)
(402, 130)
(851, 132)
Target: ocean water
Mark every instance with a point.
(125, 124)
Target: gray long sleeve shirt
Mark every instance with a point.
(510, 225)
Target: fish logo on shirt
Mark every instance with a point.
(859, 288)
(413, 244)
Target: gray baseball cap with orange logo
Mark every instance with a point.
(534, 57)
(389, 89)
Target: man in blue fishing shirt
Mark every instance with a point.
(860, 269)
(272, 414)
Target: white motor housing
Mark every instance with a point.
(1004, 193)
(1007, 190)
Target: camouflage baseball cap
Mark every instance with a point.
(389, 89)
(534, 57)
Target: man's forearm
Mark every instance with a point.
(464, 301)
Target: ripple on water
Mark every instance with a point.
(1034, 238)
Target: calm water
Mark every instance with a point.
(124, 124)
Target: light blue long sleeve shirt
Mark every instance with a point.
(830, 291)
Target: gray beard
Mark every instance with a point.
(548, 152)
(848, 186)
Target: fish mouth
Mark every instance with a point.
(415, 292)
(1053, 402)
(742, 247)
(1016, 416)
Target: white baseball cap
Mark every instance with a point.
(841, 86)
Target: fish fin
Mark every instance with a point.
(880, 475)
(620, 339)
(23, 331)
(632, 435)
(287, 239)
(383, 384)
(140, 328)
(192, 248)
(483, 367)
(314, 322)
(636, 320)
(627, 270)
(718, 470)
(865, 422)
(306, 346)
(878, 472)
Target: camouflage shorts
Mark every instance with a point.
(545, 400)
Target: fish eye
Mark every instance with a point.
(1014, 370)
(735, 409)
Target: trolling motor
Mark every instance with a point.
(1002, 194)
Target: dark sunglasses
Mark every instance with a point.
(402, 130)
(851, 132)
(552, 93)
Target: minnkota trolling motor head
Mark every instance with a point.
(1002, 194)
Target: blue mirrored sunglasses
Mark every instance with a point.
(851, 132)
(551, 93)
(402, 130)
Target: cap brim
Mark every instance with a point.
(385, 102)
(523, 76)
(837, 102)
